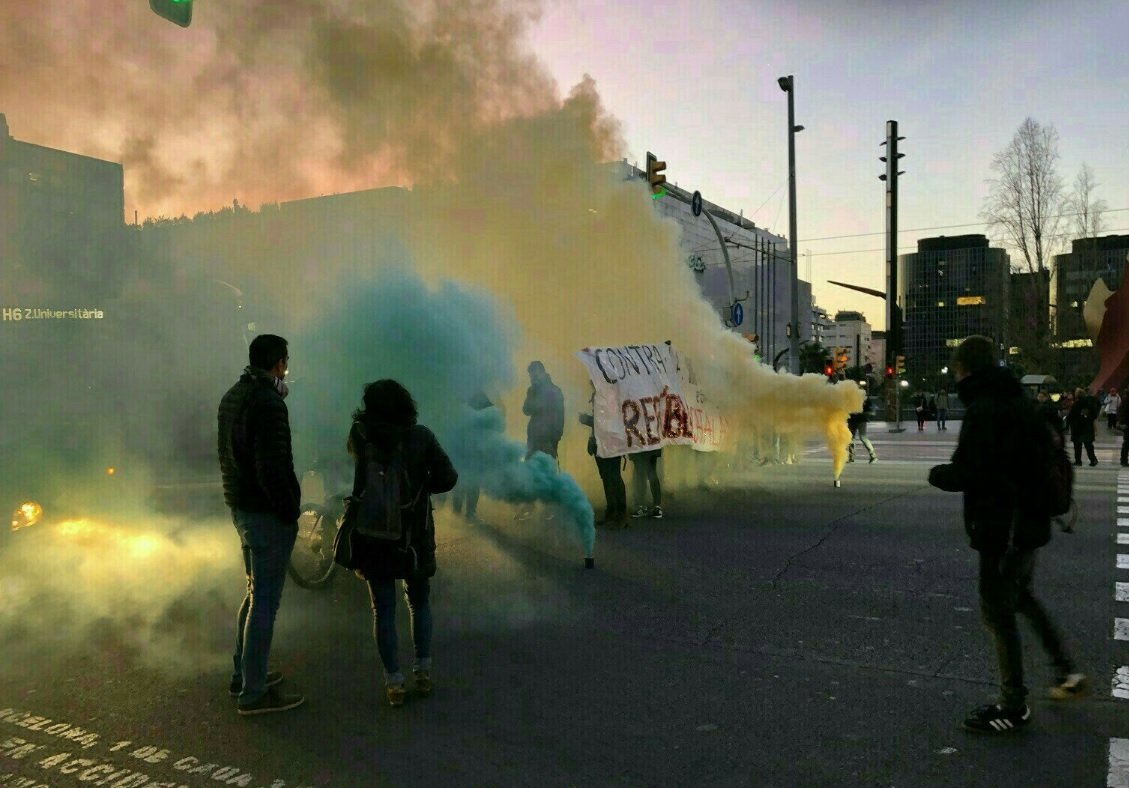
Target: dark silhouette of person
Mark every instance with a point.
(261, 489)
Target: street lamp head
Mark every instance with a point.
(797, 128)
(785, 83)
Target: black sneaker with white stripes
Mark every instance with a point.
(994, 719)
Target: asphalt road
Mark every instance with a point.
(772, 631)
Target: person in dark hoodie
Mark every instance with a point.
(544, 405)
(1081, 419)
(1001, 445)
(383, 430)
(261, 489)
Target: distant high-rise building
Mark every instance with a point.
(851, 331)
(951, 288)
(1076, 272)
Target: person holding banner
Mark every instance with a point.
(615, 491)
(645, 470)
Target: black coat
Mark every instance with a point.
(1002, 451)
(1081, 418)
(427, 466)
(256, 460)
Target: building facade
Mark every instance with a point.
(1076, 272)
(761, 270)
(851, 332)
(61, 223)
(950, 289)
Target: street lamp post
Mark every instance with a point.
(787, 84)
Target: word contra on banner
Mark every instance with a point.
(640, 401)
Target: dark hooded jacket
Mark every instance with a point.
(428, 467)
(1001, 456)
(256, 460)
(544, 405)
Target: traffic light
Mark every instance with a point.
(828, 369)
(178, 11)
(889, 371)
(841, 359)
(900, 365)
(654, 175)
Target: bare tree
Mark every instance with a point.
(1025, 205)
(1087, 211)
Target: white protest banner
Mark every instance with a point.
(639, 403)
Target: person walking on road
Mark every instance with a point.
(999, 451)
(856, 423)
(1083, 414)
(261, 489)
(385, 431)
(942, 410)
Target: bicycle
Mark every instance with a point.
(311, 562)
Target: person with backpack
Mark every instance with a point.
(399, 465)
(942, 410)
(1083, 413)
(1002, 465)
(262, 491)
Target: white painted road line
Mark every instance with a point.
(1118, 776)
(1121, 683)
(1123, 522)
(1121, 592)
(1121, 629)
(1123, 538)
(1122, 561)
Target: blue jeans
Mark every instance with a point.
(267, 542)
(418, 595)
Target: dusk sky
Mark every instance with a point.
(271, 101)
(695, 83)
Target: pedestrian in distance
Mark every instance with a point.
(544, 405)
(1083, 413)
(385, 432)
(919, 403)
(1004, 450)
(469, 489)
(261, 489)
(942, 410)
(644, 474)
(1110, 408)
(1123, 425)
(609, 468)
(856, 423)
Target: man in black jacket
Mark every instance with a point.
(261, 489)
(999, 455)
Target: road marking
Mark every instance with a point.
(1118, 776)
(1121, 592)
(1122, 561)
(1123, 538)
(1123, 522)
(1121, 683)
(1121, 629)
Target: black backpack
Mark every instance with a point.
(387, 494)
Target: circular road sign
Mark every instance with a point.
(738, 314)
(696, 203)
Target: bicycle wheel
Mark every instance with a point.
(311, 563)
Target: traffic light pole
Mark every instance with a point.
(893, 311)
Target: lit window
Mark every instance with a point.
(940, 303)
(970, 300)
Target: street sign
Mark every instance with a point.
(738, 314)
(696, 203)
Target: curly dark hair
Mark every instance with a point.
(387, 401)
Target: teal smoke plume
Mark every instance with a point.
(446, 345)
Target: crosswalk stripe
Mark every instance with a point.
(1123, 538)
(1121, 629)
(1122, 561)
(1121, 683)
(1123, 522)
(1118, 776)
(1121, 592)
